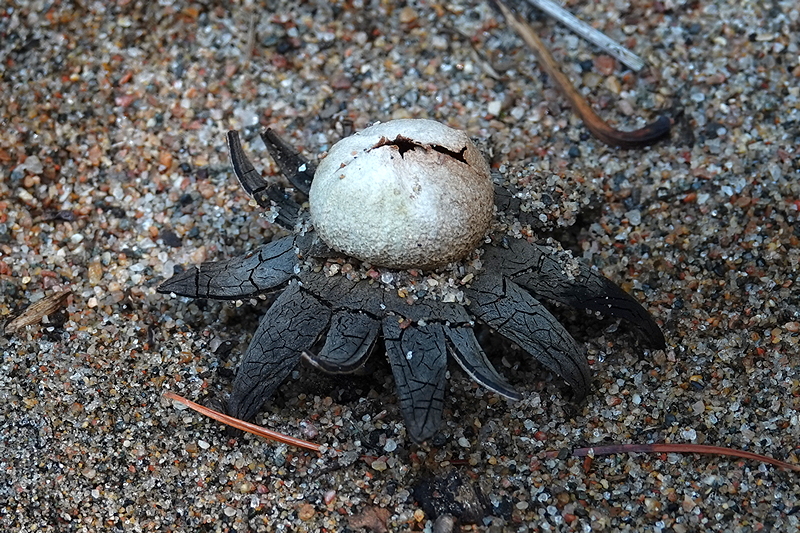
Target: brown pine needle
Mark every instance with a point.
(681, 448)
(244, 426)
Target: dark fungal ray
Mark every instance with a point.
(339, 292)
(265, 268)
(563, 279)
(418, 355)
(297, 169)
(349, 343)
(468, 353)
(291, 325)
(263, 192)
(518, 316)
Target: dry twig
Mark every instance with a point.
(37, 310)
(577, 452)
(599, 128)
(244, 426)
(592, 35)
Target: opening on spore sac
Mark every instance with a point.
(404, 145)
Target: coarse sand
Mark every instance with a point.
(114, 170)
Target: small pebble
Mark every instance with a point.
(306, 512)
(604, 64)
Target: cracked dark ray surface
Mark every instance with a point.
(349, 315)
(348, 344)
(291, 325)
(418, 356)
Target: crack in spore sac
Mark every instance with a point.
(405, 145)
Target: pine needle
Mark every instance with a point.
(244, 426)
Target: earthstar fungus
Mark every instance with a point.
(394, 195)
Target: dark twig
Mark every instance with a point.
(599, 128)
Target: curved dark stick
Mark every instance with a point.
(599, 128)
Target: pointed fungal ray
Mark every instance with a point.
(349, 343)
(262, 191)
(571, 282)
(296, 168)
(265, 268)
(418, 355)
(518, 316)
(291, 325)
(470, 356)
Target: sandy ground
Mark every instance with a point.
(113, 170)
